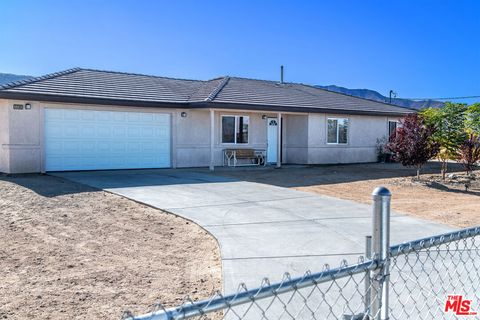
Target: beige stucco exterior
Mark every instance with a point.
(303, 137)
(20, 137)
(362, 138)
(4, 154)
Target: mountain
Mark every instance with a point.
(374, 95)
(8, 77)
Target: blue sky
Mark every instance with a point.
(418, 48)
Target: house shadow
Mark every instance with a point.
(291, 176)
(45, 185)
(71, 182)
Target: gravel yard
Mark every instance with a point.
(72, 252)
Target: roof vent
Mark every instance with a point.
(281, 74)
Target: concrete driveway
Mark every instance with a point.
(263, 230)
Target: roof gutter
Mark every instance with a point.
(90, 100)
(256, 107)
(185, 105)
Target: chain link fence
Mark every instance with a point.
(424, 272)
(408, 281)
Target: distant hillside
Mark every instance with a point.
(374, 95)
(7, 77)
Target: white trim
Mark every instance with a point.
(212, 140)
(268, 119)
(279, 140)
(173, 139)
(235, 143)
(42, 138)
(338, 131)
(388, 126)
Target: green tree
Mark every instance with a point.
(449, 123)
(473, 118)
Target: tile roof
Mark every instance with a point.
(136, 89)
(295, 95)
(108, 85)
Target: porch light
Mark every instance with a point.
(183, 114)
(28, 106)
(264, 116)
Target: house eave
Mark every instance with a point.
(255, 107)
(189, 105)
(90, 100)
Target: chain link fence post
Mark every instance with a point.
(381, 250)
(368, 282)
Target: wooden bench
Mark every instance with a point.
(231, 157)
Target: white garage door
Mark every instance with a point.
(96, 140)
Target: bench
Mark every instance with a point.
(231, 157)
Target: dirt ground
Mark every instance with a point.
(430, 198)
(68, 251)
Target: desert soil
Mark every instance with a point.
(430, 198)
(68, 251)
(450, 206)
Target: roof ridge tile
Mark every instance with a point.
(217, 89)
(18, 83)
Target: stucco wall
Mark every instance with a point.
(363, 133)
(304, 136)
(193, 136)
(23, 145)
(25, 133)
(20, 138)
(295, 139)
(4, 151)
(192, 146)
(257, 136)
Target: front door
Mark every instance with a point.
(272, 140)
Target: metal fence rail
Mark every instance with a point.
(406, 281)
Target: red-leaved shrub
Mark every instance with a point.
(412, 144)
(469, 152)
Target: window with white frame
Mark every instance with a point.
(235, 129)
(392, 128)
(337, 130)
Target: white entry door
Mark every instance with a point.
(99, 140)
(272, 140)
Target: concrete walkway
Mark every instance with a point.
(263, 230)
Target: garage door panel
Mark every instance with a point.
(119, 131)
(96, 140)
(87, 115)
(54, 131)
(103, 132)
(71, 114)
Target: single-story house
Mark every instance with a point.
(83, 119)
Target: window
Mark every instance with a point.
(392, 128)
(235, 129)
(337, 130)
